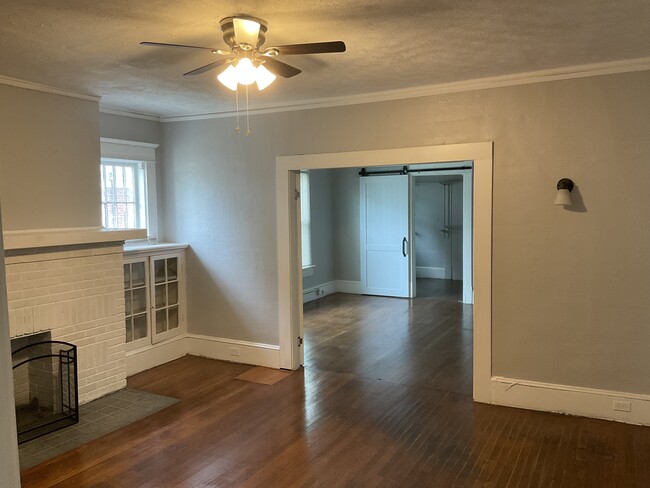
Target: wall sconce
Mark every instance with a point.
(564, 187)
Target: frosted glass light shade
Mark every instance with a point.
(264, 77)
(563, 197)
(229, 78)
(246, 72)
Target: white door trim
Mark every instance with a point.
(288, 289)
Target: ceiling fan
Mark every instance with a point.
(246, 61)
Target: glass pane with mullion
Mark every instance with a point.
(127, 275)
(131, 216)
(128, 303)
(161, 321)
(172, 293)
(161, 296)
(129, 329)
(159, 270)
(172, 269)
(137, 274)
(173, 317)
(139, 300)
(140, 326)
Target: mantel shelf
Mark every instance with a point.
(35, 238)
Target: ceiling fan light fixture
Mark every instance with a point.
(246, 72)
(263, 77)
(229, 78)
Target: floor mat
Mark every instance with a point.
(263, 376)
(96, 418)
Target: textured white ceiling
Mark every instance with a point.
(93, 47)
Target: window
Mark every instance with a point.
(128, 186)
(305, 219)
(124, 204)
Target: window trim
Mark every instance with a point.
(118, 150)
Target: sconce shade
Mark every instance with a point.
(563, 197)
(564, 187)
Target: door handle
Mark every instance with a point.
(404, 242)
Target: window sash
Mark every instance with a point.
(123, 203)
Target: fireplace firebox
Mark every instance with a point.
(45, 388)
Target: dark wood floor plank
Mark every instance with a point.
(383, 401)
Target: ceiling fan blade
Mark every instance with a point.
(207, 67)
(247, 31)
(163, 44)
(279, 68)
(311, 48)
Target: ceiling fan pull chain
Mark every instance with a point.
(237, 129)
(248, 125)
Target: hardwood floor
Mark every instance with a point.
(383, 401)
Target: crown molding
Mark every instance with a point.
(29, 85)
(125, 113)
(555, 74)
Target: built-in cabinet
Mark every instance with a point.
(154, 294)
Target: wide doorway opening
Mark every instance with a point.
(391, 311)
(290, 279)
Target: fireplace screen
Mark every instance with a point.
(45, 388)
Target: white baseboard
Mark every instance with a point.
(430, 272)
(155, 355)
(346, 286)
(233, 350)
(571, 400)
(319, 291)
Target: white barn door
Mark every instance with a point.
(385, 239)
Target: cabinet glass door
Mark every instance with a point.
(165, 302)
(136, 303)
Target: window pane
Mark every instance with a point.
(127, 276)
(305, 218)
(123, 195)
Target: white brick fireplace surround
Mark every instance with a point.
(74, 290)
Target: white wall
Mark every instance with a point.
(588, 328)
(346, 224)
(50, 144)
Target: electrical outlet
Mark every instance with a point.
(622, 406)
(234, 351)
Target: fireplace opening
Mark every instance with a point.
(45, 387)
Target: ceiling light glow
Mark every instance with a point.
(229, 78)
(263, 77)
(246, 72)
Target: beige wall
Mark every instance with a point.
(570, 287)
(9, 469)
(50, 144)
